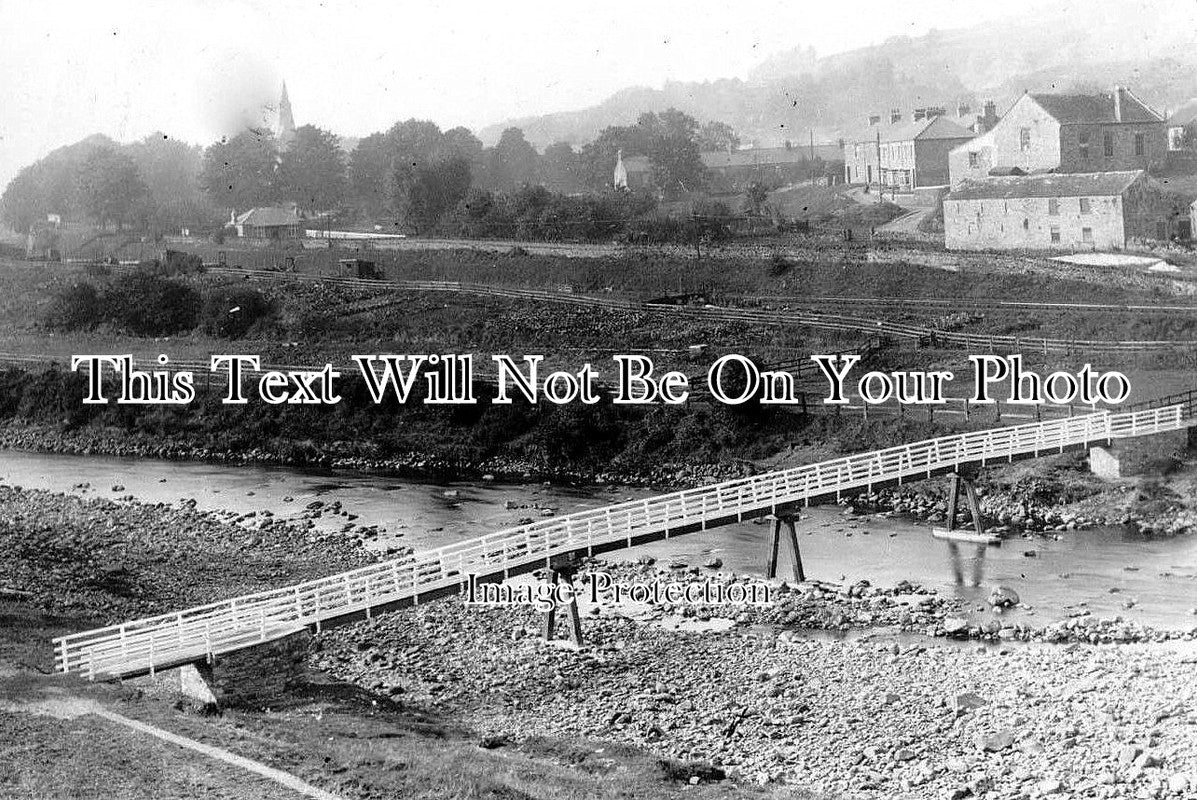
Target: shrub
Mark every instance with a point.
(148, 305)
(779, 265)
(232, 313)
(74, 308)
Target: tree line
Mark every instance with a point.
(413, 174)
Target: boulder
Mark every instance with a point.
(1003, 597)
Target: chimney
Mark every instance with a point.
(1118, 104)
(920, 114)
(874, 119)
(936, 111)
(895, 116)
(963, 110)
(989, 119)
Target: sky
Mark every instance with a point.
(199, 69)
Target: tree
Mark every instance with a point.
(755, 197)
(111, 190)
(369, 166)
(717, 136)
(425, 193)
(416, 141)
(676, 165)
(24, 201)
(241, 172)
(171, 170)
(512, 161)
(50, 185)
(673, 150)
(560, 168)
(312, 173)
(461, 142)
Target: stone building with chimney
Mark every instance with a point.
(1066, 133)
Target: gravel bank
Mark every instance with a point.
(881, 714)
(116, 559)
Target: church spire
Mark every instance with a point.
(285, 132)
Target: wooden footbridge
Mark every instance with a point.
(202, 633)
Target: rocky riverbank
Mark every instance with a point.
(880, 714)
(50, 439)
(114, 559)
(1048, 497)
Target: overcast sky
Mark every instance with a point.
(196, 69)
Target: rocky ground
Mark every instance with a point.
(879, 714)
(114, 559)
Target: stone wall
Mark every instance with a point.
(255, 675)
(1072, 158)
(931, 158)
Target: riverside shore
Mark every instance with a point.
(878, 714)
(840, 691)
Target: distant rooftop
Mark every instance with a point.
(939, 127)
(1071, 184)
(1095, 108)
(269, 217)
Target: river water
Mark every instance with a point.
(1102, 570)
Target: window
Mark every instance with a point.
(974, 159)
(1082, 141)
(1140, 144)
(1053, 206)
(1086, 235)
(1024, 139)
(1055, 234)
(1026, 224)
(1107, 143)
(1084, 205)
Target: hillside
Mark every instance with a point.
(791, 93)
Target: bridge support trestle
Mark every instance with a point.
(974, 505)
(788, 521)
(563, 572)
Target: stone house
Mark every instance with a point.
(903, 155)
(1077, 211)
(1066, 133)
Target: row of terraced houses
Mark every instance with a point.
(1054, 171)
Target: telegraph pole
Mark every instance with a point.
(880, 185)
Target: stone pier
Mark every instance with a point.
(251, 677)
(1142, 455)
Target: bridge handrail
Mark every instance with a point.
(141, 642)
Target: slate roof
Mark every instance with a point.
(940, 127)
(1091, 108)
(1071, 184)
(269, 217)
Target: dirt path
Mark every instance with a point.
(67, 707)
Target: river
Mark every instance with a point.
(1102, 570)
